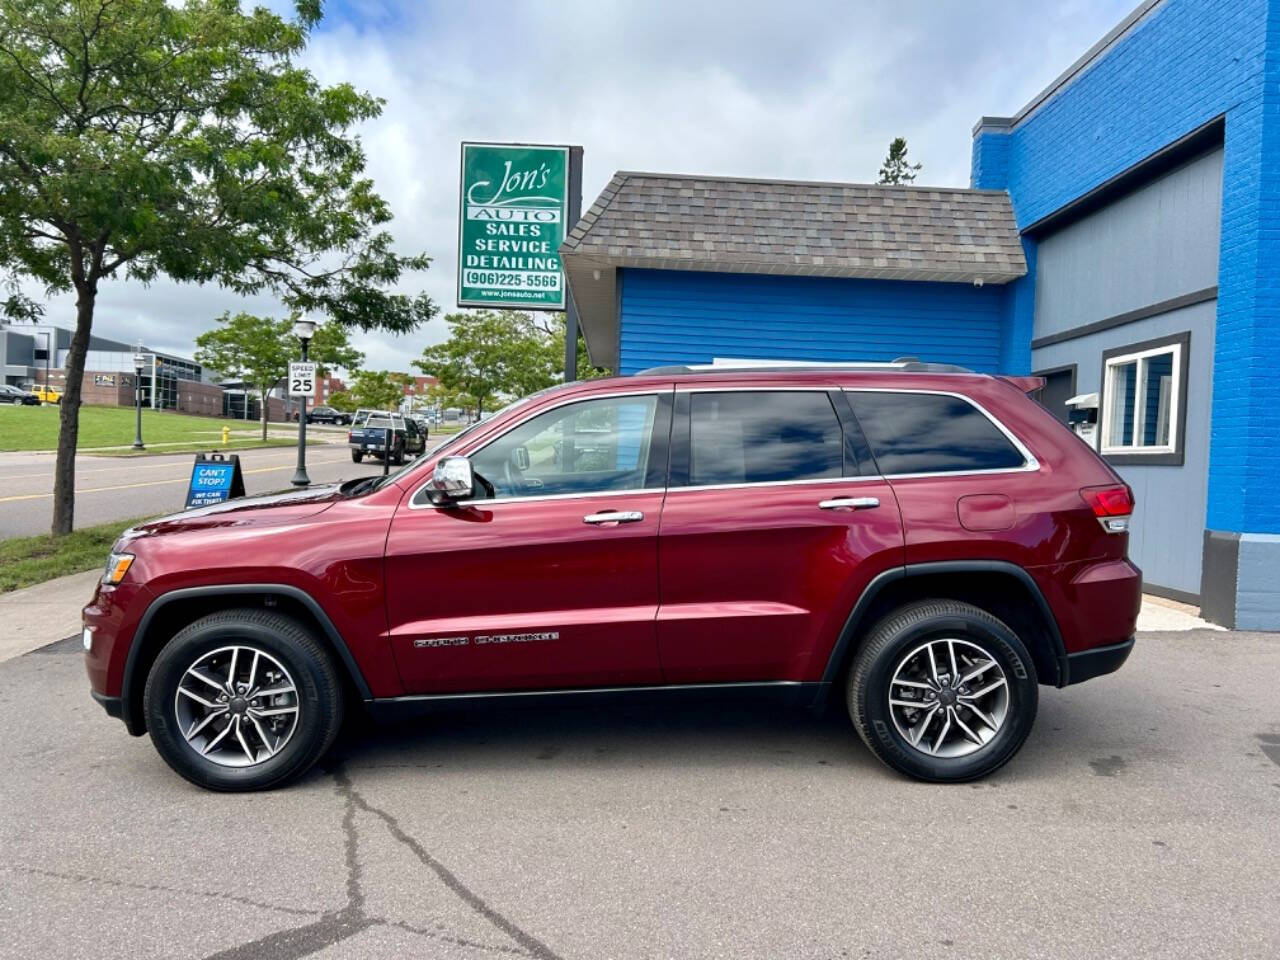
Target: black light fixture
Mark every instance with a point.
(139, 363)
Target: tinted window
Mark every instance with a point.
(929, 433)
(763, 437)
(587, 447)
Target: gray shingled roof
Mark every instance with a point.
(733, 225)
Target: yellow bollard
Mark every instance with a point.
(226, 435)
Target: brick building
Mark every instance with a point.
(1119, 238)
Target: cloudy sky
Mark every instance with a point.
(799, 90)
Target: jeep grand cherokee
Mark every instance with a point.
(927, 544)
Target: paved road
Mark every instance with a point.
(117, 488)
(1139, 821)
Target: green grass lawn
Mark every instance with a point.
(25, 561)
(36, 428)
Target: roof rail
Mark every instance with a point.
(904, 365)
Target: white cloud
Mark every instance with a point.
(801, 91)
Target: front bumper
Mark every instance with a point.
(1088, 664)
(112, 618)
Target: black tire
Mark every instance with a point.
(891, 640)
(319, 697)
(356, 456)
(398, 456)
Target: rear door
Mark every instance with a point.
(774, 523)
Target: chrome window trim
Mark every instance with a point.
(810, 388)
(534, 498)
(775, 483)
(1029, 465)
(650, 392)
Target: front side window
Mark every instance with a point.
(931, 433)
(766, 436)
(594, 446)
(1142, 398)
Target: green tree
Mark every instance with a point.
(438, 395)
(492, 354)
(376, 390)
(257, 350)
(896, 168)
(142, 138)
(341, 400)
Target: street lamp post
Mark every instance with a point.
(139, 362)
(303, 330)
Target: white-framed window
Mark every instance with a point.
(1143, 402)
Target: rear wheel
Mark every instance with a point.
(356, 456)
(243, 700)
(943, 691)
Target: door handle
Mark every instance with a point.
(614, 516)
(849, 503)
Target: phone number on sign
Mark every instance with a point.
(514, 280)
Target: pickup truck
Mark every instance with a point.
(368, 437)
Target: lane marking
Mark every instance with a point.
(156, 483)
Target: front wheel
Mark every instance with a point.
(943, 691)
(243, 700)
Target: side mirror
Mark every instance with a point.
(453, 479)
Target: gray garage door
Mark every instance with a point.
(1143, 270)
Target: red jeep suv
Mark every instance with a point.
(926, 543)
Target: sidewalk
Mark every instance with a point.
(44, 613)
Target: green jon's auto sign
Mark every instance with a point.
(512, 220)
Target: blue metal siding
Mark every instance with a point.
(670, 316)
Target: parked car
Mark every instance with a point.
(924, 544)
(46, 394)
(325, 414)
(11, 394)
(370, 438)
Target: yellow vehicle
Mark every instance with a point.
(46, 394)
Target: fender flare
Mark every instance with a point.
(851, 627)
(127, 689)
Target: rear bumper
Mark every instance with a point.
(113, 705)
(1088, 664)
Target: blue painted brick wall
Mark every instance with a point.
(989, 166)
(692, 317)
(1186, 63)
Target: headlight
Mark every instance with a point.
(117, 566)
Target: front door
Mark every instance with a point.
(775, 521)
(549, 576)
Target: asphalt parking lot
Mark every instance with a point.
(1140, 820)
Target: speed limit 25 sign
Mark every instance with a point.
(302, 379)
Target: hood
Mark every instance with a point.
(281, 507)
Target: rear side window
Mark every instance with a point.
(931, 433)
(763, 437)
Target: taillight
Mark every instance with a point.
(349, 436)
(1112, 505)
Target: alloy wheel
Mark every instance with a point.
(948, 697)
(237, 706)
